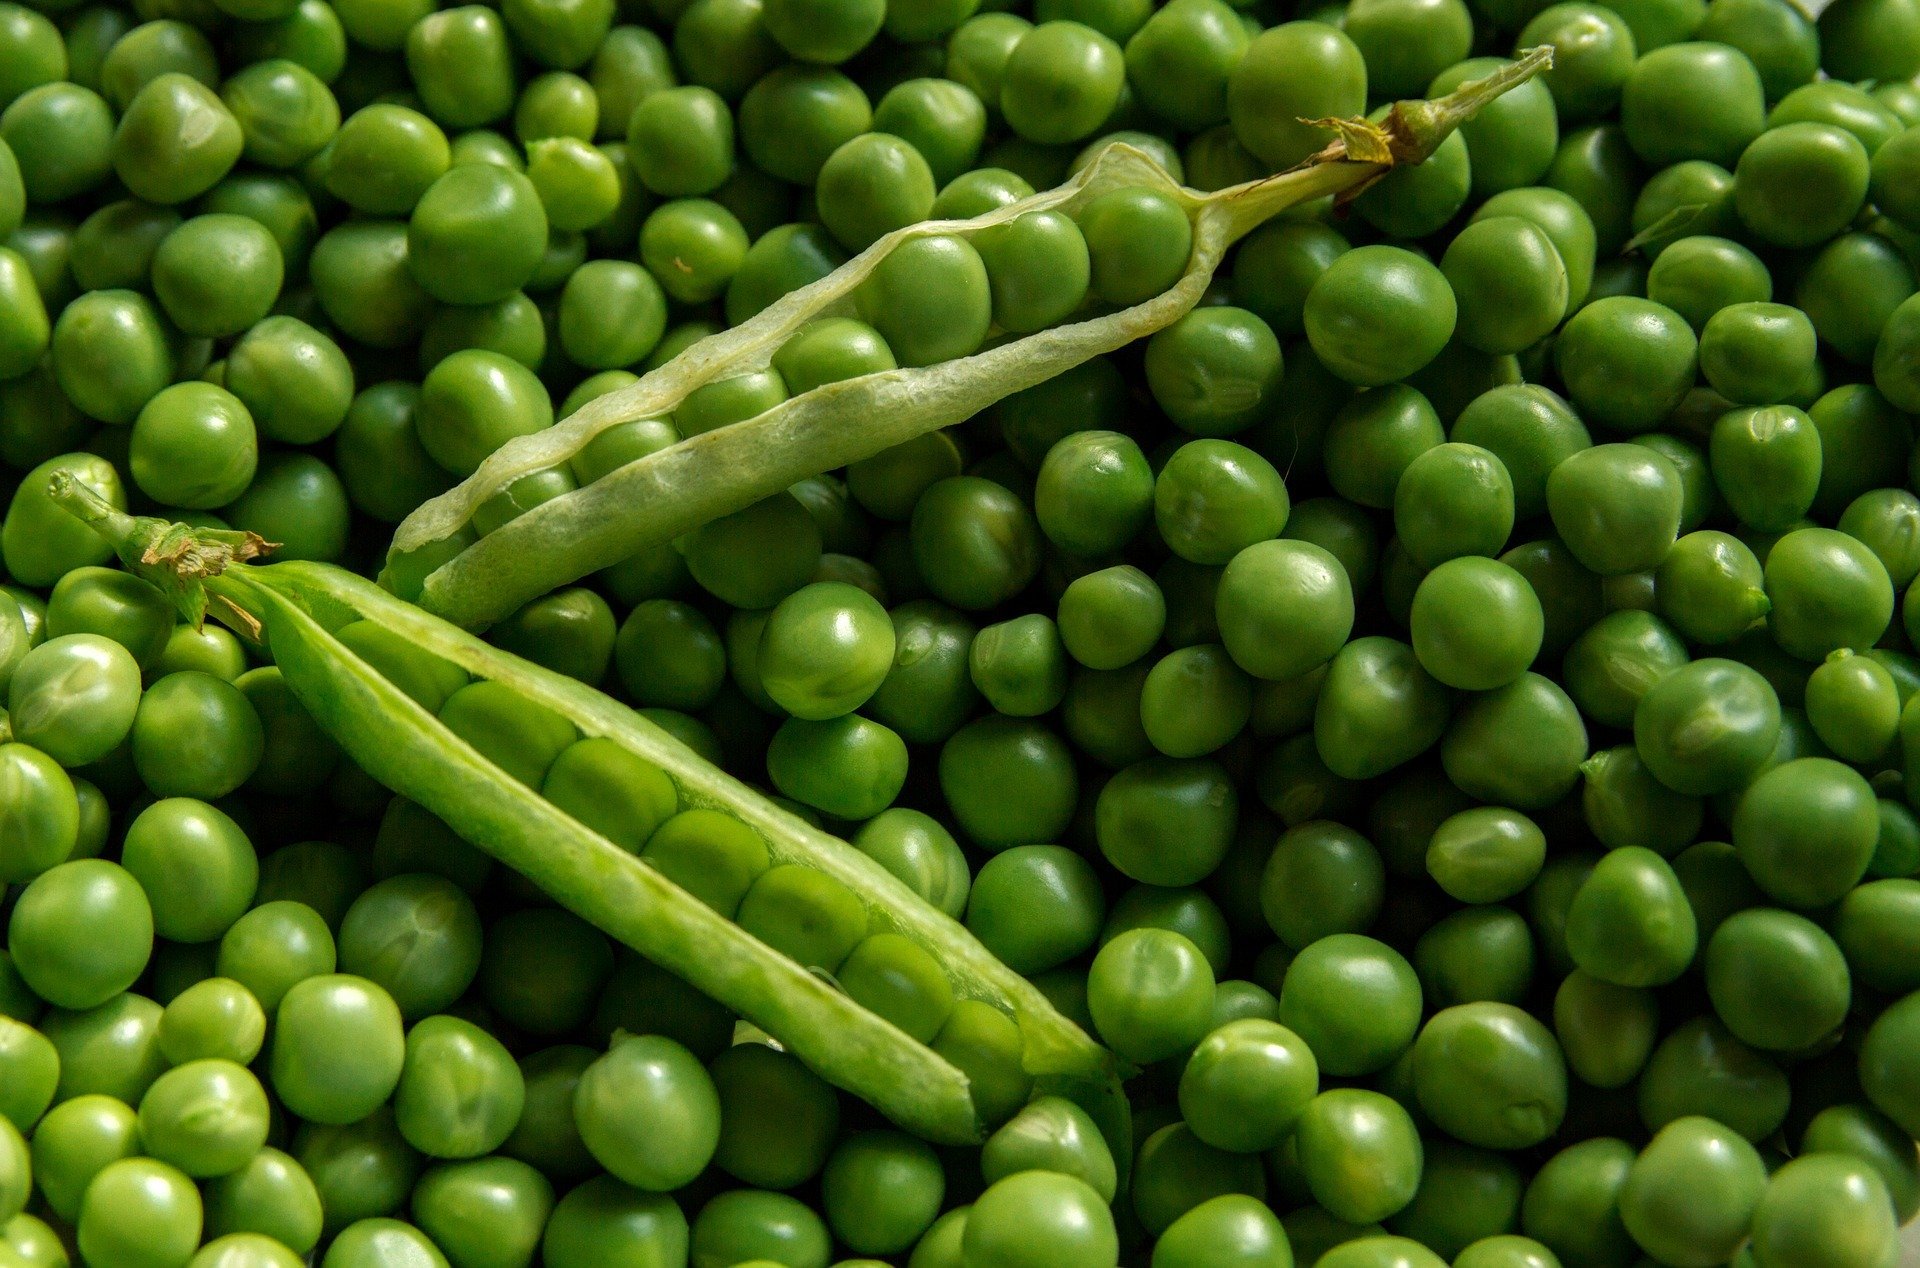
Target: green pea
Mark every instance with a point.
(1374, 438)
(1570, 1205)
(32, 1067)
(1490, 1075)
(1377, 709)
(1828, 591)
(1699, 275)
(1866, 1135)
(207, 1117)
(1606, 1031)
(274, 947)
(1359, 1153)
(1030, 1214)
(81, 933)
(1509, 282)
(338, 1048)
(1378, 314)
(1626, 361)
(1630, 923)
(881, 1190)
(1711, 587)
(1721, 1178)
(460, 1092)
(77, 1139)
(139, 1211)
(60, 137)
(1851, 289)
(1354, 1000)
(604, 1217)
(1138, 242)
(361, 281)
(476, 234)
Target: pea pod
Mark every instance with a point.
(475, 580)
(295, 609)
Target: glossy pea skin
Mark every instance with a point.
(1509, 282)
(1166, 822)
(1038, 269)
(338, 1048)
(1294, 71)
(1626, 361)
(1805, 832)
(1138, 242)
(1377, 709)
(1701, 274)
(111, 352)
(1721, 1178)
(1486, 854)
(81, 933)
(1853, 705)
(1606, 1031)
(1828, 591)
(1360, 1154)
(929, 299)
(1283, 608)
(1355, 1001)
(1377, 314)
(139, 1211)
(1630, 923)
(1214, 497)
(1623, 804)
(194, 446)
(1491, 1075)
(1247, 1084)
(1711, 587)
(1452, 500)
(1094, 492)
(1800, 183)
(604, 1215)
(1616, 506)
(1151, 993)
(1215, 370)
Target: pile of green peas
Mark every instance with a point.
(1438, 711)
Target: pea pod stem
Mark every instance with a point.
(666, 494)
(292, 608)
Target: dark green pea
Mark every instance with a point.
(1570, 1203)
(778, 1120)
(1626, 362)
(1596, 167)
(1606, 1031)
(1094, 492)
(1565, 222)
(1593, 56)
(1623, 804)
(1521, 744)
(1776, 979)
(297, 501)
(363, 285)
(1828, 592)
(1166, 822)
(1321, 879)
(1415, 202)
(974, 542)
(928, 693)
(1377, 709)
(1020, 666)
(270, 1196)
(489, 1211)
(1374, 438)
(1356, 1002)
(1862, 444)
(1692, 101)
(1490, 1075)
(195, 735)
(1850, 290)
(604, 1216)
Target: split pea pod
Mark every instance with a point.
(643, 465)
(791, 928)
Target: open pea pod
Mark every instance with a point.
(473, 579)
(296, 609)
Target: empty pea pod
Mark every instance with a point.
(929, 293)
(798, 932)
